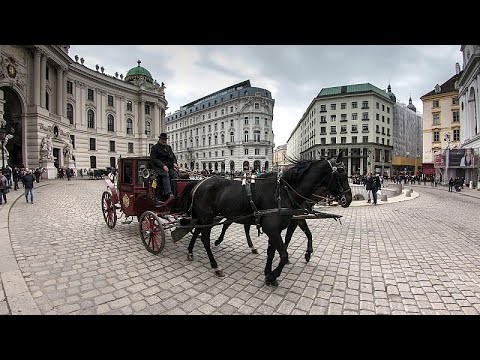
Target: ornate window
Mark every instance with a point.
(129, 127)
(110, 123)
(70, 113)
(90, 119)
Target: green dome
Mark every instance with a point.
(137, 71)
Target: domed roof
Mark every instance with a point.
(138, 71)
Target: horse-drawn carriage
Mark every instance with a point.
(137, 195)
(270, 203)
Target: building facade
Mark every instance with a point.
(469, 100)
(356, 119)
(227, 131)
(61, 113)
(280, 162)
(407, 139)
(441, 127)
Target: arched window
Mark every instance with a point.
(223, 139)
(147, 128)
(246, 136)
(232, 137)
(91, 119)
(110, 123)
(70, 113)
(129, 127)
(256, 136)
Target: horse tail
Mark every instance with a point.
(187, 196)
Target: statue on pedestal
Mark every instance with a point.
(46, 150)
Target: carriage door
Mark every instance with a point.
(246, 165)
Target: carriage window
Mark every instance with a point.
(127, 172)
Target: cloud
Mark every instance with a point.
(294, 74)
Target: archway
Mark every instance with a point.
(246, 165)
(13, 118)
(256, 165)
(266, 166)
(232, 166)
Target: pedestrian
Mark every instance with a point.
(377, 187)
(28, 181)
(369, 184)
(3, 187)
(16, 177)
(450, 184)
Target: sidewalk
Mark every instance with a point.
(15, 297)
(466, 191)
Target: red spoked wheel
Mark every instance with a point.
(108, 209)
(152, 233)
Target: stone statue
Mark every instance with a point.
(67, 150)
(46, 150)
(5, 151)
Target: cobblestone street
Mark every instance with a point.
(414, 257)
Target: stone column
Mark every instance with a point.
(36, 78)
(141, 119)
(156, 121)
(43, 80)
(59, 91)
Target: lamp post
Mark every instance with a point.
(446, 137)
(3, 133)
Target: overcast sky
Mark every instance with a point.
(294, 74)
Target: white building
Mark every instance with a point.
(46, 97)
(469, 100)
(227, 131)
(356, 119)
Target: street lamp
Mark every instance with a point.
(3, 133)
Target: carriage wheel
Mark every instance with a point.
(152, 233)
(108, 208)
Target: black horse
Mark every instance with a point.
(219, 197)
(294, 223)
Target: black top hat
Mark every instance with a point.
(163, 136)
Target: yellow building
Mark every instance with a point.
(441, 124)
(279, 158)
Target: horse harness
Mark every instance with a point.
(299, 208)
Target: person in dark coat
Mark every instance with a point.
(3, 187)
(28, 181)
(164, 162)
(450, 184)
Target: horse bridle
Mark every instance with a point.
(342, 200)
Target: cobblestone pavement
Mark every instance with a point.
(413, 257)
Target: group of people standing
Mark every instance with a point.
(24, 175)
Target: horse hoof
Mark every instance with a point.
(273, 282)
(254, 251)
(307, 257)
(219, 272)
(190, 257)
